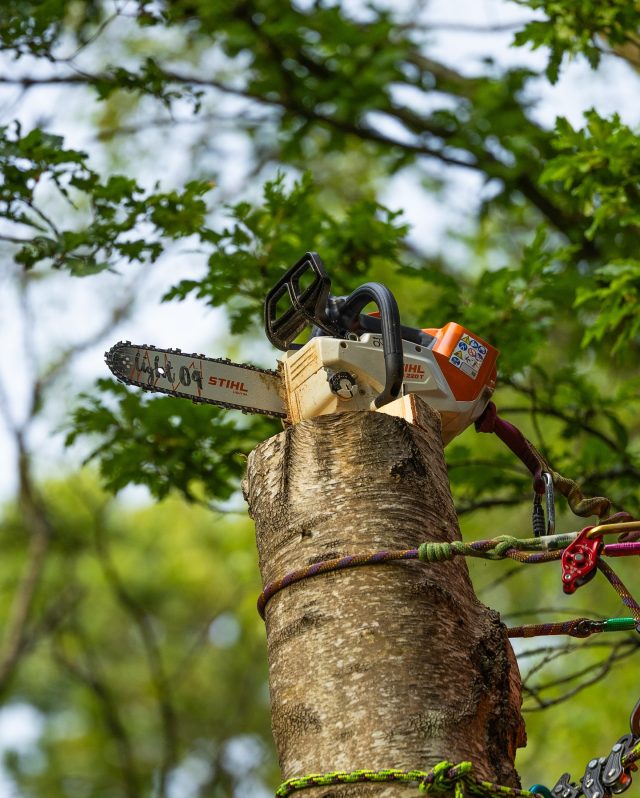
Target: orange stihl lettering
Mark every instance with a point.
(231, 385)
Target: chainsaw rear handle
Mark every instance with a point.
(307, 305)
(391, 329)
(373, 324)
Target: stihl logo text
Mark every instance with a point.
(231, 385)
(413, 371)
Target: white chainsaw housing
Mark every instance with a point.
(307, 375)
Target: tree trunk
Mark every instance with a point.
(395, 665)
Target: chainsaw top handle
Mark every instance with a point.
(349, 320)
(303, 294)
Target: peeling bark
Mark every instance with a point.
(385, 666)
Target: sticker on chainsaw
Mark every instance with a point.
(468, 355)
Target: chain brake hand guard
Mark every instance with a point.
(307, 303)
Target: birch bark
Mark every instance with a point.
(385, 666)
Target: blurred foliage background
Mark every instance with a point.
(192, 151)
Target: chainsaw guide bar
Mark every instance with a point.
(203, 380)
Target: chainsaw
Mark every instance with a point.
(352, 362)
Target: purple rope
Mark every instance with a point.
(622, 549)
(351, 560)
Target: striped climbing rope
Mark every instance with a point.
(632, 757)
(577, 627)
(584, 627)
(621, 590)
(443, 777)
(337, 564)
(525, 550)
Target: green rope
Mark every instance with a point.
(443, 777)
(505, 543)
(632, 756)
(493, 549)
(348, 777)
(444, 780)
(439, 552)
(497, 548)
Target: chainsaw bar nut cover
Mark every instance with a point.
(343, 384)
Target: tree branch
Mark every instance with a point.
(15, 239)
(620, 651)
(109, 705)
(483, 504)
(159, 679)
(553, 412)
(38, 527)
(461, 27)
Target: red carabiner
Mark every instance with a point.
(579, 560)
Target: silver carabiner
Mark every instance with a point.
(551, 504)
(540, 527)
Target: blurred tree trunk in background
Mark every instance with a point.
(387, 666)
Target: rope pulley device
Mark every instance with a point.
(580, 560)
